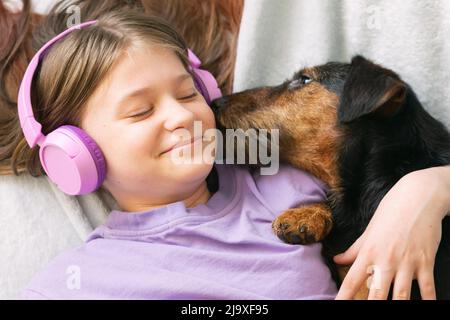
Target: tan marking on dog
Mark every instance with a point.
(307, 121)
(304, 225)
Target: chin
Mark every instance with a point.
(192, 172)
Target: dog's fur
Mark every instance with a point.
(360, 129)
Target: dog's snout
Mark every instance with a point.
(219, 104)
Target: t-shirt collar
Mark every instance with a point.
(154, 218)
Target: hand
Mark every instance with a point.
(401, 241)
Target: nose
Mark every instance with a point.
(177, 116)
(219, 104)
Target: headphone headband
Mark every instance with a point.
(31, 128)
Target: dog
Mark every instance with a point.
(359, 128)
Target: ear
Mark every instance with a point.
(370, 89)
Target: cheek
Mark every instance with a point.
(130, 160)
(142, 143)
(132, 148)
(205, 114)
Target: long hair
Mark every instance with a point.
(15, 53)
(210, 28)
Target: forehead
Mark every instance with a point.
(148, 62)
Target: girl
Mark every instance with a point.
(176, 235)
(126, 82)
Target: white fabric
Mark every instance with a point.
(410, 37)
(37, 221)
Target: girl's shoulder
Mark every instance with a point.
(289, 177)
(287, 187)
(286, 178)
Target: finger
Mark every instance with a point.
(349, 256)
(380, 284)
(353, 281)
(402, 286)
(425, 278)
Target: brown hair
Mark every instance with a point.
(15, 53)
(210, 28)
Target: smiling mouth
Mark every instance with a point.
(184, 144)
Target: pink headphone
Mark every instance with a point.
(69, 156)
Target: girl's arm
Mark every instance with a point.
(446, 178)
(401, 241)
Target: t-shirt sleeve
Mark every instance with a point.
(289, 188)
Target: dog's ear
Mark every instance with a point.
(370, 89)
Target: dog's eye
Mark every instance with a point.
(305, 79)
(301, 81)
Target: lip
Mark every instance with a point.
(182, 144)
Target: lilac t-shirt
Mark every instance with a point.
(223, 249)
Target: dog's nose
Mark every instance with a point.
(218, 104)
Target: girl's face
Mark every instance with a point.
(135, 116)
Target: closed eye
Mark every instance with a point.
(189, 97)
(150, 110)
(142, 113)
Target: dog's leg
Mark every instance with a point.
(304, 225)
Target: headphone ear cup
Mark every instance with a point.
(72, 160)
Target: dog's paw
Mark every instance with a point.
(303, 225)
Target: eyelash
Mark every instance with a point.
(190, 97)
(184, 98)
(141, 114)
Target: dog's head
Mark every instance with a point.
(311, 108)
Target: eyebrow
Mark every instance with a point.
(138, 92)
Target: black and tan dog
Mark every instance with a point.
(359, 128)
